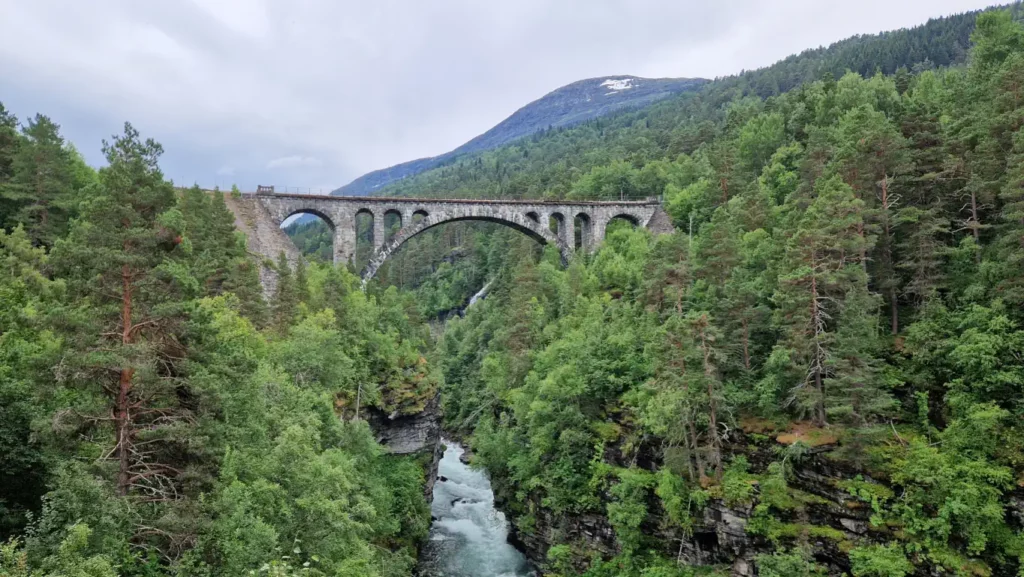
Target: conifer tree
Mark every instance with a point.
(924, 217)
(870, 156)
(123, 320)
(10, 141)
(41, 182)
(821, 272)
(285, 305)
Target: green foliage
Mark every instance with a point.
(153, 425)
(880, 561)
(71, 559)
(792, 564)
(846, 266)
(629, 509)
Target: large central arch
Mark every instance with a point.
(517, 221)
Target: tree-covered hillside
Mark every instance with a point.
(566, 106)
(828, 357)
(157, 416)
(819, 373)
(548, 164)
(607, 157)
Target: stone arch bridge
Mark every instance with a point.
(553, 222)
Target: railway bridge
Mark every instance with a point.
(548, 222)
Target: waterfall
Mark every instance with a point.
(479, 294)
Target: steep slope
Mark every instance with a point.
(571, 104)
(551, 163)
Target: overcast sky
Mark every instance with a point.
(314, 93)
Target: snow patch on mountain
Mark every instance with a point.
(615, 85)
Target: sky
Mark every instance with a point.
(314, 93)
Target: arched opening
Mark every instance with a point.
(392, 224)
(410, 232)
(418, 216)
(619, 222)
(584, 231)
(533, 216)
(556, 223)
(364, 238)
(312, 233)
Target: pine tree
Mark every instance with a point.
(124, 317)
(40, 186)
(925, 216)
(10, 141)
(870, 155)
(821, 270)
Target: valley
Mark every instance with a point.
(766, 325)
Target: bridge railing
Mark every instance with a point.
(306, 191)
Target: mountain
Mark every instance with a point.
(572, 104)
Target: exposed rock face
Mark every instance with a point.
(721, 536)
(416, 434)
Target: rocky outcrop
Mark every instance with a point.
(721, 536)
(415, 434)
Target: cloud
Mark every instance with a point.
(226, 171)
(293, 162)
(357, 86)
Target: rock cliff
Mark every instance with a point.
(416, 434)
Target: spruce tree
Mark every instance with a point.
(285, 304)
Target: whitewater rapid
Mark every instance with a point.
(468, 537)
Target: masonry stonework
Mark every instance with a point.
(260, 216)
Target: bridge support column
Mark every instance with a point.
(345, 240)
(597, 233)
(378, 230)
(567, 232)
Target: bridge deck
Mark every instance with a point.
(407, 200)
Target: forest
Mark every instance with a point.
(843, 294)
(828, 353)
(157, 415)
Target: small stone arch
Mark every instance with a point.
(584, 237)
(395, 213)
(311, 211)
(627, 217)
(556, 221)
(533, 216)
(391, 217)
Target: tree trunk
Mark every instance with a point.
(746, 345)
(887, 252)
(819, 385)
(122, 418)
(976, 226)
(709, 375)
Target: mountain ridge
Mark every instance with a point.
(565, 106)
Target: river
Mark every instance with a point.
(468, 537)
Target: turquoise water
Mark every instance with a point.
(468, 537)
